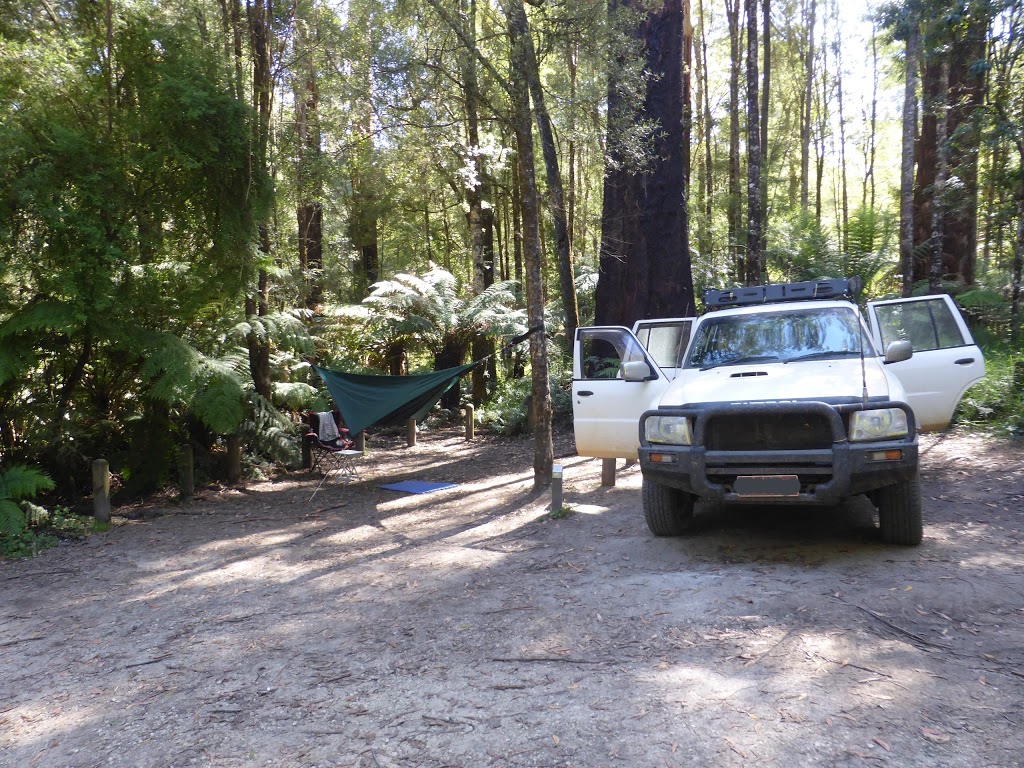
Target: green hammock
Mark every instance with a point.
(366, 400)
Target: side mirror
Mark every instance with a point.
(898, 351)
(637, 370)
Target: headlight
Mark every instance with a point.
(672, 430)
(878, 424)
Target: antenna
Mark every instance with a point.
(855, 286)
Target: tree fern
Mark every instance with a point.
(16, 483)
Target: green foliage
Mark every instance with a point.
(430, 310)
(17, 483)
(507, 412)
(996, 404)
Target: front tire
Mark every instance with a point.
(899, 512)
(668, 511)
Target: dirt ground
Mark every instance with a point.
(370, 628)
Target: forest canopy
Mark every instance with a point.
(200, 200)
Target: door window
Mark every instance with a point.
(602, 352)
(927, 324)
(665, 343)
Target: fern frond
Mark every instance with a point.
(282, 328)
(43, 316)
(219, 405)
(296, 396)
(12, 519)
(269, 432)
(15, 359)
(175, 367)
(20, 482)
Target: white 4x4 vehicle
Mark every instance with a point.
(779, 394)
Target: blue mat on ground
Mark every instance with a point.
(417, 486)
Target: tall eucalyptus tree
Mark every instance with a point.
(645, 266)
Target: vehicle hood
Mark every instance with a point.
(809, 379)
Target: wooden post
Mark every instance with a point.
(608, 472)
(556, 488)
(410, 432)
(235, 457)
(186, 481)
(360, 442)
(101, 490)
(470, 423)
(307, 452)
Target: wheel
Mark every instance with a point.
(899, 512)
(668, 511)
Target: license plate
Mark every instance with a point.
(767, 485)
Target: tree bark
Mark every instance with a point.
(480, 213)
(844, 236)
(260, 12)
(907, 163)
(566, 276)
(540, 405)
(1018, 265)
(753, 260)
(967, 90)
(734, 210)
(309, 211)
(645, 253)
(940, 193)
(805, 121)
(706, 245)
(766, 10)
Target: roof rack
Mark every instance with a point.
(835, 288)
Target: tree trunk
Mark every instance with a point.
(844, 236)
(753, 260)
(925, 156)
(766, 10)
(1018, 265)
(309, 211)
(907, 164)
(940, 194)
(566, 277)
(805, 121)
(645, 260)
(540, 393)
(363, 215)
(706, 245)
(262, 91)
(480, 216)
(868, 200)
(734, 212)
(967, 89)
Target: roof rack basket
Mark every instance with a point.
(834, 288)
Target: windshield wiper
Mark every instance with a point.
(741, 361)
(824, 354)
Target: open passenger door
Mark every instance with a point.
(946, 361)
(615, 379)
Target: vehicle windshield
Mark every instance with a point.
(779, 337)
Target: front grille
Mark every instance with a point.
(768, 432)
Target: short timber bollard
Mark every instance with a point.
(101, 490)
(470, 423)
(410, 432)
(307, 453)
(556, 488)
(360, 442)
(608, 472)
(235, 458)
(186, 482)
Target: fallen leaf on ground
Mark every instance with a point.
(939, 737)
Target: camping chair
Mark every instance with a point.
(331, 449)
